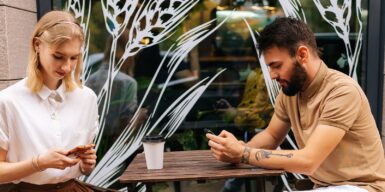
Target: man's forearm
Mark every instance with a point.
(288, 160)
(263, 140)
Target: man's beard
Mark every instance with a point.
(297, 80)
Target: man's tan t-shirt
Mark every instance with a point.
(336, 100)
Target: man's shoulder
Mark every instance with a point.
(337, 78)
(337, 83)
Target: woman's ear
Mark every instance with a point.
(36, 44)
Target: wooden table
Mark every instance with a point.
(190, 165)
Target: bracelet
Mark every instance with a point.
(246, 155)
(35, 164)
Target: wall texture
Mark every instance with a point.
(17, 20)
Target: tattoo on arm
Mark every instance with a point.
(246, 155)
(262, 154)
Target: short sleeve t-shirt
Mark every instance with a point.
(336, 100)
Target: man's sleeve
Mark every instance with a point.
(341, 107)
(280, 110)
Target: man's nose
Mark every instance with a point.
(273, 75)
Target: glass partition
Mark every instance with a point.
(174, 67)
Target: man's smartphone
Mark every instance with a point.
(208, 131)
(74, 152)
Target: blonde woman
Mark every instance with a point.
(48, 113)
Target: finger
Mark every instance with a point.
(216, 156)
(224, 133)
(70, 161)
(85, 156)
(89, 146)
(61, 151)
(216, 139)
(216, 152)
(89, 161)
(216, 146)
(88, 152)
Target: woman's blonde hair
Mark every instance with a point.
(54, 28)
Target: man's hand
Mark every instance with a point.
(87, 161)
(226, 147)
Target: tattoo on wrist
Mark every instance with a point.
(263, 154)
(246, 155)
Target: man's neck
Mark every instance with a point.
(312, 70)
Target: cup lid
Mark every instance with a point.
(153, 138)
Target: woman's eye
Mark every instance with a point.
(57, 57)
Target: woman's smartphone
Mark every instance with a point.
(208, 131)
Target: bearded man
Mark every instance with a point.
(339, 145)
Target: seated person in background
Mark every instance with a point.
(123, 103)
(330, 116)
(255, 109)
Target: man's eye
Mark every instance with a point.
(277, 66)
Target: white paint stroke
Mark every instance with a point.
(341, 25)
(78, 8)
(293, 8)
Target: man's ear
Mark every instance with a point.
(302, 54)
(36, 44)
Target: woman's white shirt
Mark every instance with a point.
(31, 124)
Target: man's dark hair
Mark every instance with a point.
(287, 33)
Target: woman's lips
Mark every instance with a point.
(60, 73)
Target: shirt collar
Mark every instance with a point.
(45, 92)
(317, 82)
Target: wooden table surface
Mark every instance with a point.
(190, 165)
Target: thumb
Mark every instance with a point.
(224, 133)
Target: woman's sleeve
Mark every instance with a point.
(94, 128)
(4, 132)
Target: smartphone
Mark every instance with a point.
(79, 149)
(208, 131)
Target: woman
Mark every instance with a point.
(48, 113)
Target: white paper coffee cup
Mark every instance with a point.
(153, 151)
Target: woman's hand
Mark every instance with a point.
(87, 161)
(226, 147)
(56, 158)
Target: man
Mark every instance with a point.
(340, 147)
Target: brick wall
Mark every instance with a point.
(17, 21)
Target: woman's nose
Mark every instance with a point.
(66, 66)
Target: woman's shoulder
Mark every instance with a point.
(14, 91)
(19, 87)
(85, 92)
